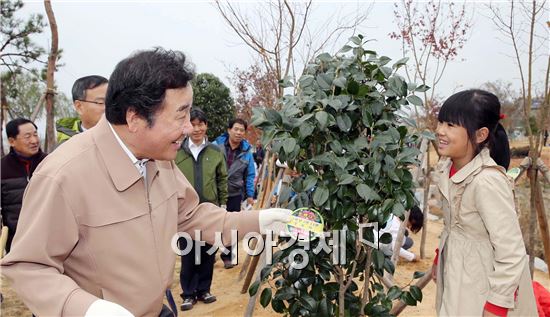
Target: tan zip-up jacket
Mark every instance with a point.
(90, 229)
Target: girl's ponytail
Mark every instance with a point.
(499, 146)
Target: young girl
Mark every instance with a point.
(482, 268)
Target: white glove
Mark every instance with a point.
(103, 308)
(274, 219)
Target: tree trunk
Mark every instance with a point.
(532, 217)
(543, 223)
(426, 211)
(50, 89)
(3, 107)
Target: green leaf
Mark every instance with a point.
(323, 309)
(418, 274)
(416, 293)
(308, 302)
(385, 238)
(289, 144)
(265, 298)
(400, 62)
(383, 60)
(345, 49)
(367, 193)
(305, 130)
(407, 298)
(415, 100)
(278, 306)
(378, 258)
(346, 179)
(322, 118)
(344, 122)
(394, 292)
(320, 195)
(285, 293)
(335, 104)
(310, 182)
(398, 209)
(355, 40)
(254, 288)
(306, 80)
(422, 88)
(325, 57)
(340, 82)
(353, 87)
(428, 135)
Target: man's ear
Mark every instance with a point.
(11, 141)
(482, 135)
(78, 107)
(134, 120)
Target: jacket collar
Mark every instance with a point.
(483, 159)
(119, 165)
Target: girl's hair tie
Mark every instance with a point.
(502, 116)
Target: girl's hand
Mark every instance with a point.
(434, 273)
(488, 314)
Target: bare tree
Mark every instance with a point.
(524, 24)
(433, 34)
(50, 89)
(278, 32)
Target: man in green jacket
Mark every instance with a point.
(89, 102)
(203, 164)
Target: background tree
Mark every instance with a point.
(342, 132)
(510, 103)
(24, 91)
(432, 33)
(214, 98)
(279, 34)
(18, 52)
(525, 25)
(50, 81)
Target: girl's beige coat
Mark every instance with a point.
(482, 255)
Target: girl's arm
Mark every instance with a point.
(495, 202)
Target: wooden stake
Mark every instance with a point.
(543, 223)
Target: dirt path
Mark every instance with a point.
(231, 303)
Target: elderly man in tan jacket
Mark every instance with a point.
(100, 214)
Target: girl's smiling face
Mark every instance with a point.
(453, 142)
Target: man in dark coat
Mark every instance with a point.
(17, 168)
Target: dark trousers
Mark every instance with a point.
(233, 205)
(196, 279)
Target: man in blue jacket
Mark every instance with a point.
(240, 170)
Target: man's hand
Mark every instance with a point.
(250, 201)
(101, 308)
(415, 258)
(274, 219)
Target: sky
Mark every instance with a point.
(95, 35)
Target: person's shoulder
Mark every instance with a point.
(69, 157)
(492, 176)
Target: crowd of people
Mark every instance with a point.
(136, 167)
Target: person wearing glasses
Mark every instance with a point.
(89, 101)
(17, 168)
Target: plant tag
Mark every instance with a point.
(305, 224)
(513, 172)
